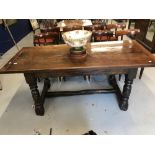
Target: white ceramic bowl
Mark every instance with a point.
(77, 38)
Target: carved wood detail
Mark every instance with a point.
(32, 82)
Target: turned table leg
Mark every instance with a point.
(141, 72)
(32, 81)
(126, 93)
(123, 96)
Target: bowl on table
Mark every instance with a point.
(77, 40)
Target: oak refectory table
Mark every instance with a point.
(111, 58)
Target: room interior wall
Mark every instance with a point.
(19, 29)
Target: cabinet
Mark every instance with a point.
(147, 32)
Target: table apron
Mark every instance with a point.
(79, 72)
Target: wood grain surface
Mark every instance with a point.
(101, 56)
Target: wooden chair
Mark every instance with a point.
(130, 33)
(51, 38)
(38, 39)
(44, 39)
(98, 27)
(88, 28)
(115, 26)
(101, 35)
(121, 33)
(50, 29)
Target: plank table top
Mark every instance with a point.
(101, 55)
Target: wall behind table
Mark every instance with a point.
(19, 30)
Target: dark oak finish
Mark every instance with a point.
(123, 96)
(55, 59)
(110, 58)
(80, 92)
(32, 81)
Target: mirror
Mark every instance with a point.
(150, 30)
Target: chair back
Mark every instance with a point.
(101, 35)
(38, 39)
(115, 26)
(88, 28)
(51, 38)
(98, 27)
(44, 39)
(130, 32)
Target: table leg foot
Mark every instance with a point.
(39, 110)
(124, 105)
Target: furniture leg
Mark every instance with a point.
(113, 82)
(141, 73)
(126, 93)
(47, 85)
(87, 77)
(120, 77)
(123, 96)
(38, 102)
(62, 78)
